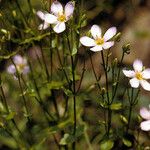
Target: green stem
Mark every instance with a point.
(73, 91)
(107, 88)
(21, 12)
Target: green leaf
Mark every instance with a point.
(10, 115)
(74, 51)
(66, 139)
(127, 142)
(55, 85)
(70, 138)
(106, 145)
(116, 106)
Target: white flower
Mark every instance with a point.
(145, 114)
(99, 42)
(21, 65)
(58, 16)
(138, 75)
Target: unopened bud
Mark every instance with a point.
(115, 62)
(126, 48)
(117, 37)
(103, 91)
(14, 13)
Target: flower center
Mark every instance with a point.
(20, 67)
(99, 41)
(139, 76)
(61, 17)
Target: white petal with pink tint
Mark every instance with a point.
(50, 18)
(96, 31)
(96, 48)
(146, 73)
(110, 33)
(145, 85)
(11, 69)
(69, 8)
(145, 113)
(60, 27)
(41, 15)
(86, 41)
(145, 125)
(129, 73)
(56, 8)
(134, 82)
(43, 26)
(107, 45)
(138, 65)
(17, 59)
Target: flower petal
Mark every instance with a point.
(108, 45)
(18, 59)
(146, 73)
(86, 41)
(96, 31)
(137, 65)
(145, 85)
(145, 113)
(40, 14)
(129, 73)
(145, 125)
(134, 82)
(56, 8)
(69, 8)
(11, 69)
(96, 48)
(26, 70)
(49, 18)
(110, 33)
(43, 26)
(60, 27)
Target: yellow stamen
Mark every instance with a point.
(139, 76)
(99, 41)
(20, 67)
(61, 17)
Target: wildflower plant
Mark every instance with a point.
(60, 99)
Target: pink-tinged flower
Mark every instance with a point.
(139, 75)
(99, 42)
(145, 114)
(58, 16)
(21, 65)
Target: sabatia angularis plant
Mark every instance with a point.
(58, 16)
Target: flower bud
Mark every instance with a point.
(117, 37)
(126, 48)
(103, 91)
(114, 62)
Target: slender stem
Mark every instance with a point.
(130, 109)
(97, 79)
(118, 75)
(74, 90)
(44, 61)
(20, 85)
(108, 101)
(21, 12)
(106, 76)
(38, 93)
(4, 98)
(7, 109)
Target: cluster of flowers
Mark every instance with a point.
(58, 17)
